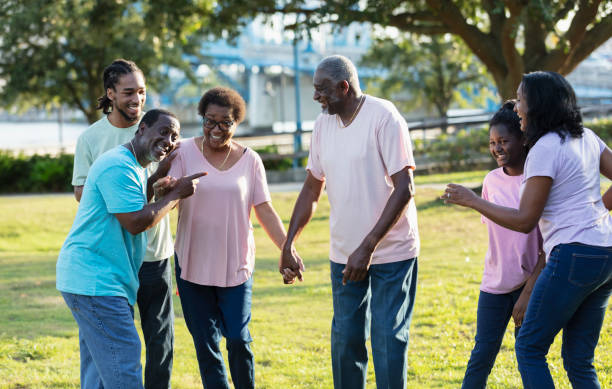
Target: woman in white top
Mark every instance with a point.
(561, 190)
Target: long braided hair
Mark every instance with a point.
(112, 73)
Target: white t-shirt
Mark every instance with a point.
(574, 211)
(356, 163)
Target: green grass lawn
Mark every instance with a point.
(468, 177)
(291, 324)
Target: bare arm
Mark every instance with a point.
(302, 213)
(271, 223)
(523, 219)
(151, 214)
(78, 192)
(359, 261)
(520, 307)
(605, 168)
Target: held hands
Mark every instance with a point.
(358, 264)
(460, 195)
(290, 265)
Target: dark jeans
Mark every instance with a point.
(157, 321)
(211, 312)
(571, 294)
(494, 313)
(383, 301)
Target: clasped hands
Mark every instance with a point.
(291, 265)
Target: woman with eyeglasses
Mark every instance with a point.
(215, 249)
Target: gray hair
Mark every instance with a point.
(339, 68)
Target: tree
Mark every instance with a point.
(510, 37)
(431, 69)
(54, 52)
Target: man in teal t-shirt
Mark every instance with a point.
(98, 265)
(117, 185)
(122, 105)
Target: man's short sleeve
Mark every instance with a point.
(82, 161)
(394, 143)
(314, 161)
(122, 189)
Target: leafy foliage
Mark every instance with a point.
(54, 52)
(272, 163)
(603, 128)
(38, 173)
(509, 37)
(430, 69)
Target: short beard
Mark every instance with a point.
(125, 115)
(332, 108)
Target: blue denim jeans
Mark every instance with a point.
(494, 313)
(211, 312)
(571, 294)
(157, 321)
(108, 342)
(381, 304)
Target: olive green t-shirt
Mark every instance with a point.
(94, 141)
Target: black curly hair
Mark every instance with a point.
(508, 118)
(151, 116)
(224, 97)
(551, 107)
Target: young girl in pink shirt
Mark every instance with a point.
(511, 262)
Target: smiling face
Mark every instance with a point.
(219, 126)
(506, 148)
(128, 97)
(521, 106)
(327, 93)
(154, 143)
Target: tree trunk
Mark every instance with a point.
(92, 114)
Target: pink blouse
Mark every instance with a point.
(214, 236)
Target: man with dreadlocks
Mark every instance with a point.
(122, 105)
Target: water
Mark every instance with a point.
(45, 137)
(39, 137)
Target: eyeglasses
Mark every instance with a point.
(224, 125)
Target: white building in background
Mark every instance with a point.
(261, 65)
(592, 78)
